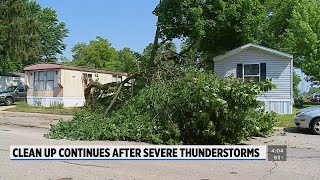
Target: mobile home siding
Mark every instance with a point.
(71, 81)
(73, 89)
(278, 70)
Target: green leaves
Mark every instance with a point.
(218, 26)
(28, 34)
(293, 27)
(304, 35)
(99, 53)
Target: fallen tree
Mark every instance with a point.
(197, 108)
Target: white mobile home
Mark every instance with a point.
(51, 83)
(256, 62)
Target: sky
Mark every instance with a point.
(125, 23)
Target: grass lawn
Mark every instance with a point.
(23, 107)
(287, 119)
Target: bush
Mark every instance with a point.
(199, 108)
(298, 102)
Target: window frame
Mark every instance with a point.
(246, 76)
(117, 77)
(87, 75)
(45, 81)
(50, 81)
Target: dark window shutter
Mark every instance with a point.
(263, 73)
(239, 71)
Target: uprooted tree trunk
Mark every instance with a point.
(134, 76)
(89, 87)
(88, 90)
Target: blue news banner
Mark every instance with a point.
(149, 152)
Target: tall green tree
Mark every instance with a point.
(128, 60)
(99, 53)
(52, 32)
(28, 34)
(15, 28)
(294, 27)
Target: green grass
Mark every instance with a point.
(287, 119)
(24, 107)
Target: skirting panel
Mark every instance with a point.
(280, 107)
(56, 101)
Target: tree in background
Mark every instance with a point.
(314, 90)
(28, 34)
(52, 32)
(294, 27)
(99, 53)
(128, 60)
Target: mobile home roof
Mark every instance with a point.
(250, 45)
(47, 66)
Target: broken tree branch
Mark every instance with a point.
(155, 47)
(88, 93)
(134, 76)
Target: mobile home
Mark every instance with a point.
(256, 62)
(51, 83)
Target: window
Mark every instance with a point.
(251, 72)
(44, 80)
(11, 88)
(257, 72)
(50, 81)
(116, 78)
(88, 76)
(21, 87)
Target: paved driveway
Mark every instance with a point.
(28, 129)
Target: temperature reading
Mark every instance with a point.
(277, 153)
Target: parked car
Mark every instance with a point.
(315, 98)
(11, 94)
(309, 118)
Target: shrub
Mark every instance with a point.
(298, 101)
(199, 108)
